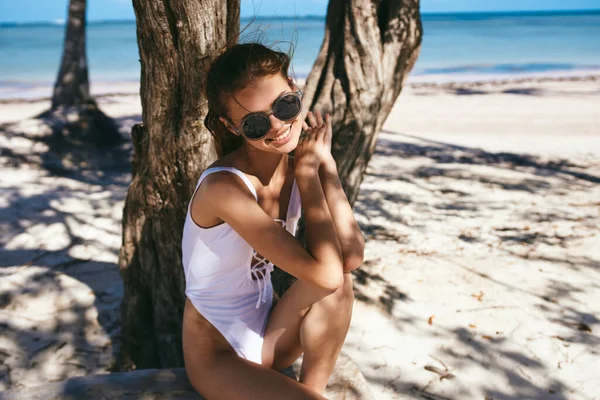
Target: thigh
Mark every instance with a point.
(217, 372)
(226, 376)
(281, 345)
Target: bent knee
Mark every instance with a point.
(346, 292)
(343, 296)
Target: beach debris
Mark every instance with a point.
(479, 296)
(444, 374)
(440, 372)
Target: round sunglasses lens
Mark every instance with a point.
(287, 107)
(256, 126)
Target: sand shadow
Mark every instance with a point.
(85, 293)
(443, 170)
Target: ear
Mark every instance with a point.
(228, 125)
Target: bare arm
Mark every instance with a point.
(348, 232)
(223, 196)
(321, 236)
(321, 232)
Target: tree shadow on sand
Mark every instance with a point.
(371, 288)
(58, 228)
(450, 174)
(35, 142)
(446, 153)
(461, 349)
(520, 87)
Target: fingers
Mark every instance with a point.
(321, 131)
(315, 118)
(313, 132)
(311, 119)
(317, 127)
(319, 118)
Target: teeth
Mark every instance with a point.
(283, 135)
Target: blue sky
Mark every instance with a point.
(52, 10)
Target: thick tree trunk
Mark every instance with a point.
(177, 41)
(74, 115)
(370, 46)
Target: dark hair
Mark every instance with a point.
(231, 71)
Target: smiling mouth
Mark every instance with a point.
(282, 136)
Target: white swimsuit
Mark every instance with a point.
(233, 295)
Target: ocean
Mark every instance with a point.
(456, 47)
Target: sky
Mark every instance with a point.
(23, 11)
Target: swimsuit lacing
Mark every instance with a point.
(261, 272)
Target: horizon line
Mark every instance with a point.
(318, 16)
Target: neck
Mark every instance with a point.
(265, 166)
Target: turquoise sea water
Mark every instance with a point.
(455, 47)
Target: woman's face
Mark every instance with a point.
(260, 96)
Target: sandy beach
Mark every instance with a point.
(481, 212)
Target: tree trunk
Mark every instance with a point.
(74, 115)
(370, 46)
(72, 85)
(177, 41)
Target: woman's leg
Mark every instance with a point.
(310, 320)
(222, 374)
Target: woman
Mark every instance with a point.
(242, 220)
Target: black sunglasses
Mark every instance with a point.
(257, 124)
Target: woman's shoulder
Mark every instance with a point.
(223, 180)
(218, 192)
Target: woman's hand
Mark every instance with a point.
(315, 121)
(314, 146)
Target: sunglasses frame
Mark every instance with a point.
(240, 131)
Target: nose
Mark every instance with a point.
(276, 123)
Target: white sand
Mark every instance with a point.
(481, 209)
(504, 258)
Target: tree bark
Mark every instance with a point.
(72, 85)
(369, 48)
(74, 115)
(177, 41)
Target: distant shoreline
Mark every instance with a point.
(457, 47)
(424, 16)
(133, 89)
